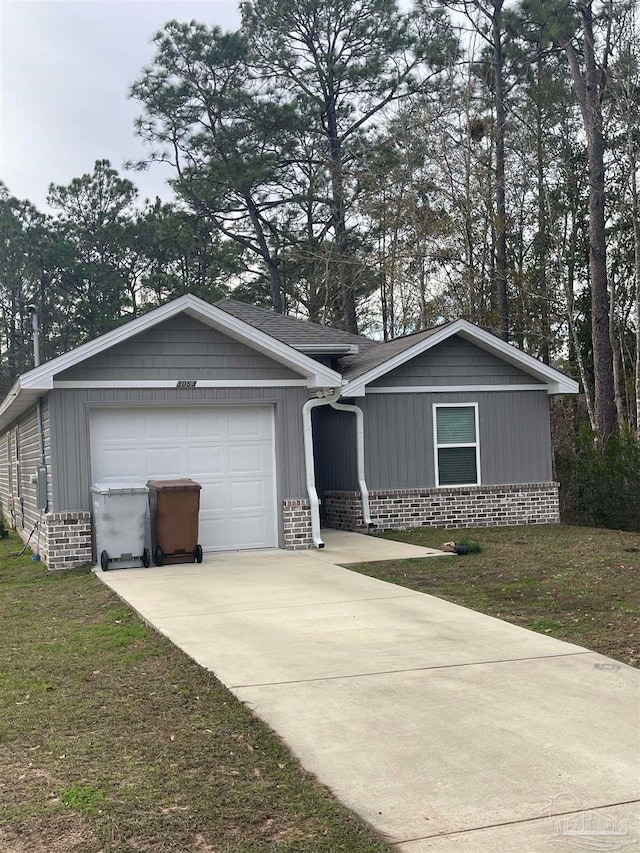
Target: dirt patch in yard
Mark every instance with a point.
(53, 834)
(579, 584)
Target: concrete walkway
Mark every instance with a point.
(446, 729)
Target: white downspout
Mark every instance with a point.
(330, 397)
(364, 491)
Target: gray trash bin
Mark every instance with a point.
(120, 521)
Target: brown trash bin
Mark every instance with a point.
(174, 506)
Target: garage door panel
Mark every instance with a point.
(248, 495)
(245, 425)
(121, 462)
(167, 426)
(111, 423)
(163, 461)
(228, 450)
(214, 530)
(205, 461)
(249, 459)
(214, 497)
(249, 531)
(205, 424)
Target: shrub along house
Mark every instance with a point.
(284, 423)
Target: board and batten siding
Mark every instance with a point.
(455, 361)
(179, 348)
(70, 410)
(29, 442)
(515, 437)
(334, 446)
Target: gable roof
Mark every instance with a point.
(32, 384)
(353, 366)
(303, 335)
(366, 360)
(359, 370)
(291, 342)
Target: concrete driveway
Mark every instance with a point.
(446, 729)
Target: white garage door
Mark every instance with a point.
(229, 451)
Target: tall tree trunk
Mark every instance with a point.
(587, 91)
(635, 212)
(501, 213)
(543, 228)
(338, 214)
(273, 265)
(615, 346)
(569, 285)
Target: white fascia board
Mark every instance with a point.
(318, 375)
(15, 404)
(556, 382)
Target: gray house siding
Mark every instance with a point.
(5, 454)
(455, 362)
(17, 478)
(180, 348)
(334, 445)
(515, 437)
(70, 415)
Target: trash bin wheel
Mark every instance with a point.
(198, 553)
(104, 561)
(146, 558)
(158, 556)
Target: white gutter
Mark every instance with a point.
(364, 491)
(330, 397)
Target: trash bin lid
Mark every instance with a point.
(131, 487)
(180, 485)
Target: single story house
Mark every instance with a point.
(286, 424)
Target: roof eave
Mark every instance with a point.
(318, 375)
(555, 381)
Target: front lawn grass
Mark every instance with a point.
(579, 584)
(111, 739)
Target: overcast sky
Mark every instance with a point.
(65, 70)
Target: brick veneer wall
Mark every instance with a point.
(68, 539)
(470, 506)
(296, 515)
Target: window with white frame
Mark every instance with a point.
(456, 444)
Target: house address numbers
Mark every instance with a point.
(186, 383)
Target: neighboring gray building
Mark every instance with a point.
(284, 423)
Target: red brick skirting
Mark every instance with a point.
(470, 506)
(296, 514)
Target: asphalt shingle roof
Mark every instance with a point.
(295, 332)
(353, 366)
(290, 330)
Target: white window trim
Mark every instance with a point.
(437, 446)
